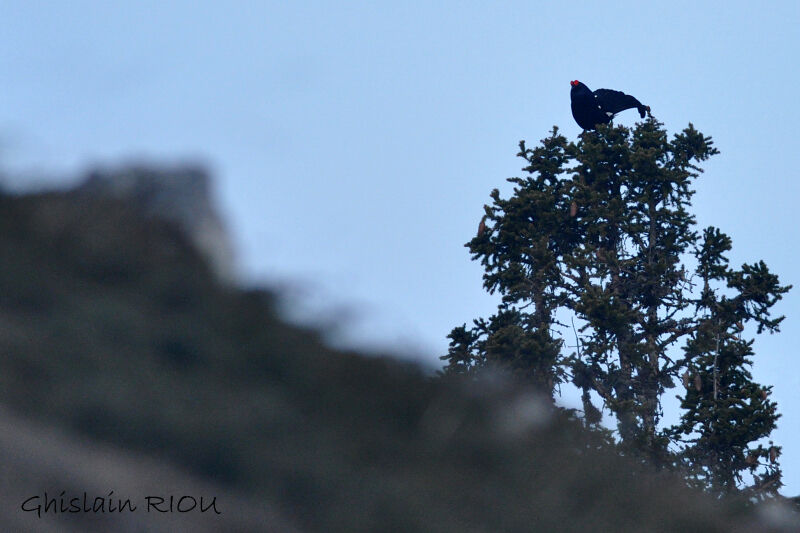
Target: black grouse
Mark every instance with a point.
(599, 107)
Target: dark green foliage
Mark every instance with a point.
(521, 254)
(600, 230)
(726, 414)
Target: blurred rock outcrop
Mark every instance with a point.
(181, 194)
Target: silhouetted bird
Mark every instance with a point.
(599, 107)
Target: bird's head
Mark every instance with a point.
(578, 88)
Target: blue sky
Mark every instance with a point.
(354, 143)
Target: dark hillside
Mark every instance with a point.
(116, 335)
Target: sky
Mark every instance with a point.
(354, 144)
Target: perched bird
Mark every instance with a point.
(599, 107)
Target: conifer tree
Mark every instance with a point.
(599, 230)
(726, 414)
(522, 254)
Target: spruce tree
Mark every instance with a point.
(726, 414)
(599, 230)
(522, 253)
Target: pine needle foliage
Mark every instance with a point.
(599, 231)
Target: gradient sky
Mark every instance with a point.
(354, 143)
